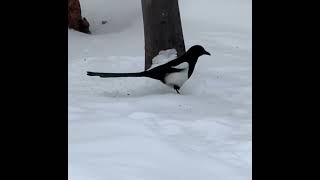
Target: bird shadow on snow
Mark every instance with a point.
(138, 90)
(143, 91)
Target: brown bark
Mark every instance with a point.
(75, 20)
(162, 28)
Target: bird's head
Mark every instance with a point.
(198, 50)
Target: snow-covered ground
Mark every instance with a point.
(138, 128)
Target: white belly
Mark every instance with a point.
(178, 78)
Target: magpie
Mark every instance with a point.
(173, 73)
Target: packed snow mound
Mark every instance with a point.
(119, 14)
(163, 57)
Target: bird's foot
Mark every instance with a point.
(177, 89)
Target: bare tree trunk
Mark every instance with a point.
(75, 21)
(162, 28)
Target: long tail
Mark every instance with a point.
(109, 75)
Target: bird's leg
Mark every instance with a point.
(177, 89)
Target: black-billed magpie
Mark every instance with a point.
(173, 73)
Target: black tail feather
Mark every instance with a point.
(110, 75)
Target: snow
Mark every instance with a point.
(138, 128)
(163, 57)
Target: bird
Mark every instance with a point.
(173, 73)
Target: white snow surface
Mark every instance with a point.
(163, 57)
(138, 128)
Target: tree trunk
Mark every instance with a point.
(162, 28)
(75, 21)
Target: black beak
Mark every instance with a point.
(207, 53)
